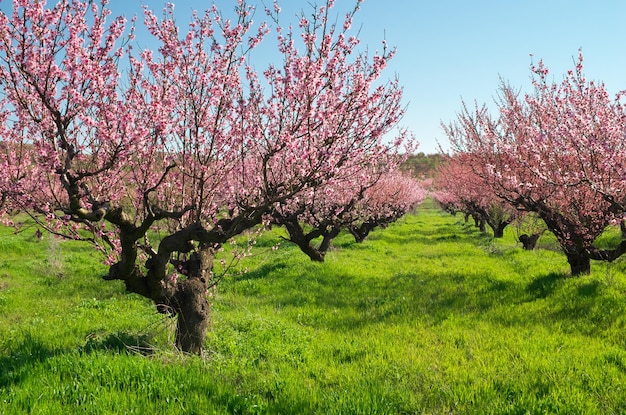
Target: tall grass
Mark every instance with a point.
(427, 316)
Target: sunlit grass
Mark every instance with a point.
(426, 316)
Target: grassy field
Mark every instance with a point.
(427, 316)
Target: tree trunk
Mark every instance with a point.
(498, 229)
(327, 239)
(498, 226)
(312, 252)
(362, 231)
(529, 242)
(479, 223)
(359, 235)
(193, 309)
(187, 297)
(572, 243)
(190, 302)
(300, 238)
(579, 262)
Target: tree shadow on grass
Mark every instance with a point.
(346, 303)
(20, 357)
(410, 296)
(545, 286)
(263, 271)
(590, 289)
(352, 303)
(121, 342)
(581, 305)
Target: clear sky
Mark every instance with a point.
(450, 50)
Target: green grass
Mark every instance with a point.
(427, 316)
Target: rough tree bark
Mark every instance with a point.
(495, 218)
(327, 238)
(573, 244)
(190, 302)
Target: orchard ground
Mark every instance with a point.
(427, 316)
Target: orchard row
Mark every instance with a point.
(557, 154)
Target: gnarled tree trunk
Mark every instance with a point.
(327, 238)
(362, 231)
(186, 298)
(192, 309)
(579, 262)
(190, 302)
(304, 240)
(498, 229)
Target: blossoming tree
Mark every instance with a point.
(546, 152)
(185, 139)
(394, 195)
(467, 192)
(317, 96)
(358, 206)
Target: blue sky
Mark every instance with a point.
(453, 50)
(450, 50)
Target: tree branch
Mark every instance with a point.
(608, 255)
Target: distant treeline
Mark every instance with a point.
(423, 165)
